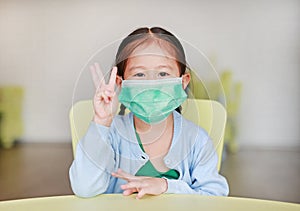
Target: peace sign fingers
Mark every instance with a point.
(112, 80)
(105, 102)
(97, 75)
(109, 89)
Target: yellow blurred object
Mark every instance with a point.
(210, 115)
(197, 90)
(217, 90)
(11, 125)
(233, 97)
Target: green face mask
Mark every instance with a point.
(152, 100)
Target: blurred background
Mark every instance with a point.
(45, 44)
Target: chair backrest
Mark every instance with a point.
(208, 114)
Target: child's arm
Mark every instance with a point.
(204, 176)
(91, 169)
(94, 161)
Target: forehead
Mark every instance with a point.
(152, 55)
(155, 47)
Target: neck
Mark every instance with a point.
(157, 138)
(142, 127)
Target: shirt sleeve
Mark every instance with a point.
(204, 177)
(91, 169)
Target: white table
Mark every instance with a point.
(172, 202)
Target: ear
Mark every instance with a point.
(119, 81)
(186, 80)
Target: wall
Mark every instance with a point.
(44, 45)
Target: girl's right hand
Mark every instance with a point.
(105, 99)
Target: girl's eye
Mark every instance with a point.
(163, 74)
(139, 75)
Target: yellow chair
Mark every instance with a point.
(11, 123)
(210, 115)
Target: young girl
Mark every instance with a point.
(153, 149)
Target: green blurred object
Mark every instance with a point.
(218, 90)
(11, 124)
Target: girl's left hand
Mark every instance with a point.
(140, 184)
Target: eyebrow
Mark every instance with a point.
(137, 67)
(144, 68)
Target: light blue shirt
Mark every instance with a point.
(105, 149)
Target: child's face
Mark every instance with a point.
(151, 63)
